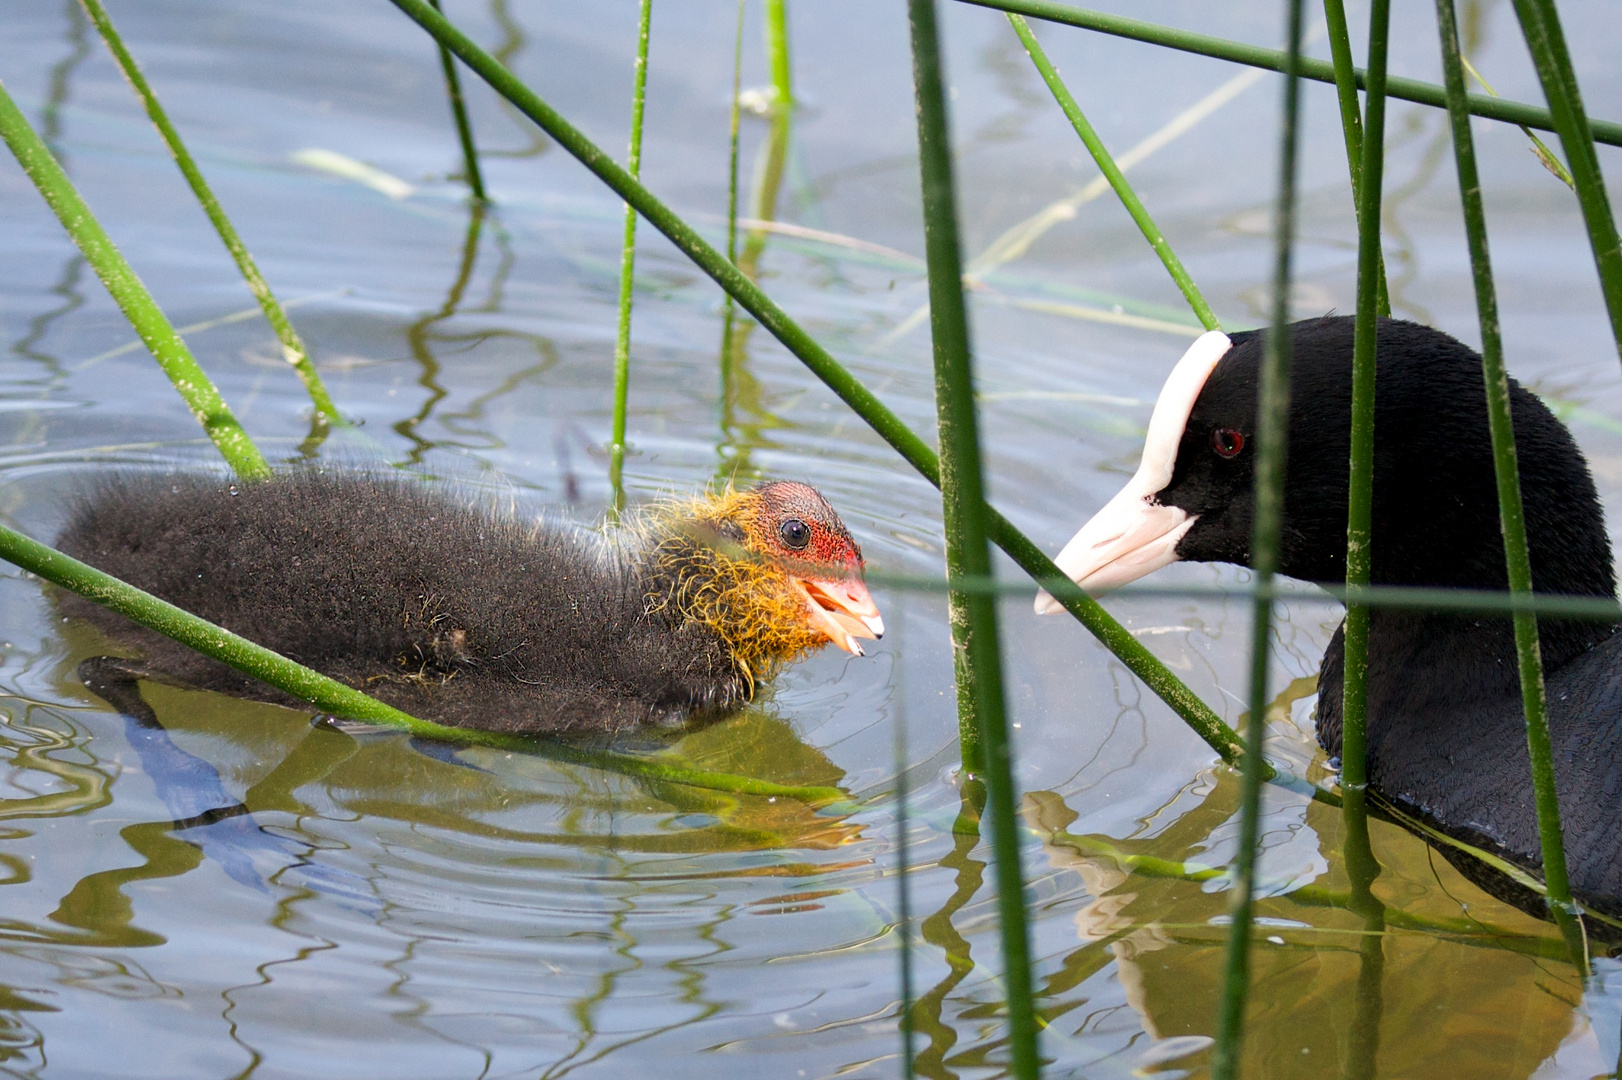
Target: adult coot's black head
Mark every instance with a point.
(1435, 498)
(1445, 733)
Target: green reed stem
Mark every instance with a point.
(777, 54)
(773, 156)
(1272, 433)
(1106, 165)
(1423, 93)
(1511, 516)
(334, 697)
(732, 146)
(732, 205)
(903, 825)
(464, 127)
(622, 336)
(975, 647)
(1540, 25)
(1363, 1042)
(1340, 50)
(885, 423)
(149, 321)
(293, 350)
(1360, 471)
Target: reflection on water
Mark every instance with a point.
(203, 886)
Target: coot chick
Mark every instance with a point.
(470, 618)
(1446, 737)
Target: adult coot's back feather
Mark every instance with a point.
(469, 618)
(1446, 739)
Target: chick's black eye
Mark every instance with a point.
(795, 533)
(1227, 441)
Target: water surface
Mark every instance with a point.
(391, 909)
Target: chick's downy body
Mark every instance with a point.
(461, 615)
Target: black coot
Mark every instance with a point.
(472, 618)
(1446, 736)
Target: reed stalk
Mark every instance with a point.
(1340, 51)
(293, 349)
(1511, 515)
(331, 696)
(976, 651)
(142, 311)
(727, 313)
(1372, 301)
(1272, 433)
(622, 336)
(903, 823)
(1360, 470)
(1422, 93)
(1030, 558)
(464, 127)
(1540, 25)
(769, 166)
(1368, 1004)
(1106, 165)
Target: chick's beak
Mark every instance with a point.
(843, 609)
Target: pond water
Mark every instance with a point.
(390, 909)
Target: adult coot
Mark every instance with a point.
(1446, 738)
(471, 618)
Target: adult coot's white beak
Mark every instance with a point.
(1133, 535)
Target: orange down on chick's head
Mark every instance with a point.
(771, 570)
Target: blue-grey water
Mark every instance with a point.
(390, 911)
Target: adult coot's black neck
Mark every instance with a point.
(1436, 518)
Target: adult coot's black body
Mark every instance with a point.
(1446, 735)
(470, 618)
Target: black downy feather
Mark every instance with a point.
(455, 614)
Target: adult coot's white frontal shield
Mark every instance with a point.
(1133, 535)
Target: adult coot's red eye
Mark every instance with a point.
(1227, 441)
